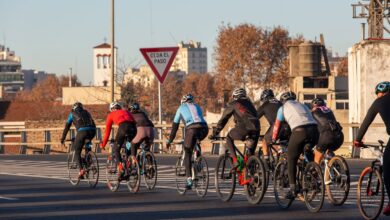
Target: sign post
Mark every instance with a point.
(160, 60)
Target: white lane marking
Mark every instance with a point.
(8, 198)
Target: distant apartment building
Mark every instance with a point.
(191, 58)
(11, 76)
(102, 64)
(145, 76)
(32, 77)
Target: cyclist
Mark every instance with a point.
(304, 131)
(145, 129)
(269, 108)
(127, 127)
(247, 124)
(86, 129)
(331, 137)
(380, 105)
(195, 129)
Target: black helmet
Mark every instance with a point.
(382, 87)
(317, 102)
(239, 93)
(77, 105)
(187, 98)
(288, 96)
(266, 95)
(134, 107)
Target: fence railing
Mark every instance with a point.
(47, 140)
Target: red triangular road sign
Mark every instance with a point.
(160, 60)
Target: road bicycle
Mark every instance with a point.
(131, 173)
(89, 162)
(370, 190)
(250, 172)
(336, 177)
(309, 182)
(199, 172)
(148, 167)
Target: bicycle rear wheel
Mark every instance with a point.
(370, 193)
(112, 174)
(201, 171)
(73, 169)
(92, 169)
(134, 175)
(281, 185)
(313, 187)
(180, 176)
(225, 178)
(255, 172)
(149, 169)
(338, 189)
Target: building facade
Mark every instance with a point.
(191, 58)
(11, 76)
(102, 64)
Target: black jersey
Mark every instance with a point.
(269, 109)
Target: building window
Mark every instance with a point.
(315, 82)
(342, 95)
(98, 58)
(342, 105)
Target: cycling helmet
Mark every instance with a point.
(77, 105)
(134, 107)
(115, 105)
(266, 95)
(382, 87)
(317, 102)
(239, 93)
(187, 98)
(288, 96)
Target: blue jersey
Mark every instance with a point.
(81, 125)
(190, 113)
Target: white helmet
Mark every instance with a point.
(115, 105)
(239, 93)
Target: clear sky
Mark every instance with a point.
(54, 35)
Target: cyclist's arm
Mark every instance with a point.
(175, 125)
(108, 130)
(227, 113)
(67, 127)
(370, 116)
(277, 125)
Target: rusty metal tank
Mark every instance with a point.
(309, 59)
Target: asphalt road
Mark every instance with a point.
(36, 186)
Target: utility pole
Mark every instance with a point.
(112, 50)
(70, 77)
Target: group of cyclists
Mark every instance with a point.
(313, 130)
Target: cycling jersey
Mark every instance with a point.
(381, 105)
(142, 119)
(269, 109)
(81, 119)
(117, 117)
(244, 113)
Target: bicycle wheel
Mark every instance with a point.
(112, 174)
(281, 185)
(338, 189)
(255, 172)
(92, 169)
(225, 178)
(180, 176)
(149, 170)
(73, 169)
(370, 193)
(134, 175)
(201, 171)
(313, 187)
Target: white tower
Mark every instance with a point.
(102, 64)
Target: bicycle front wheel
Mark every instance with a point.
(313, 187)
(281, 185)
(149, 170)
(112, 174)
(73, 169)
(337, 180)
(134, 175)
(201, 176)
(256, 174)
(180, 176)
(370, 193)
(225, 178)
(92, 168)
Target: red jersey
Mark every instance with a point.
(116, 117)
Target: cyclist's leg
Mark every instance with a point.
(189, 143)
(149, 138)
(253, 139)
(119, 140)
(78, 146)
(137, 140)
(386, 168)
(295, 149)
(322, 146)
(234, 134)
(267, 142)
